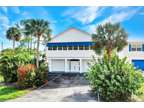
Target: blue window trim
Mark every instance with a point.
(129, 47)
(70, 44)
(142, 47)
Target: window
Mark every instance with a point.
(54, 47)
(49, 48)
(81, 47)
(70, 48)
(59, 47)
(75, 48)
(136, 47)
(86, 47)
(65, 48)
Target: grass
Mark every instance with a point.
(7, 93)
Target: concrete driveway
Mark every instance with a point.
(62, 89)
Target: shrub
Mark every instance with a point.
(26, 76)
(114, 79)
(29, 76)
(10, 60)
(41, 75)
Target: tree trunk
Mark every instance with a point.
(37, 52)
(13, 44)
(109, 51)
(28, 45)
(31, 43)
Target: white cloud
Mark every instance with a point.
(85, 15)
(120, 17)
(119, 14)
(4, 21)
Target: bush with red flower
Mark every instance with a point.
(26, 75)
(29, 76)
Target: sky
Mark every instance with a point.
(84, 18)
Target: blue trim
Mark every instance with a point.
(139, 64)
(71, 44)
(142, 47)
(129, 47)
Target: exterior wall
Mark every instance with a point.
(70, 54)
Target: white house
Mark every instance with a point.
(71, 50)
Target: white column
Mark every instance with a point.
(66, 65)
(81, 70)
(50, 65)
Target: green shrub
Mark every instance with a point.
(10, 60)
(41, 75)
(114, 79)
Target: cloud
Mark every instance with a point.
(122, 14)
(119, 14)
(85, 15)
(4, 21)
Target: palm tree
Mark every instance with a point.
(27, 30)
(109, 36)
(26, 40)
(13, 33)
(38, 28)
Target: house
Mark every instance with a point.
(71, 51)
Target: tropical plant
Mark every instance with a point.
(38, 28)
(109, 36)
(13, 33)
(10, 60)
(25, 26)
(114, 79)
(41, 75)
(26, 75)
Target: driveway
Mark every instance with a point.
(61, 89)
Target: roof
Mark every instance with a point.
(69, 29)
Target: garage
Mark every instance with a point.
(58, 66)
(139, 64)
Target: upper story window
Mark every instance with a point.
(136, 47)
(70, 48)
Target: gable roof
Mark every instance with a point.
(84, 32)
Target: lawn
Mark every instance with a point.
(7, 93)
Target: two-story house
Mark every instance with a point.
(71, 51)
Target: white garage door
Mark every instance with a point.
(85, 65)
(58, 65)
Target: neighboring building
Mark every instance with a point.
(71, 51)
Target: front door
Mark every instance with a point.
(75, 66)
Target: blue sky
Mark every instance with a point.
(85, 18)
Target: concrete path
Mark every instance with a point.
(67, 90)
